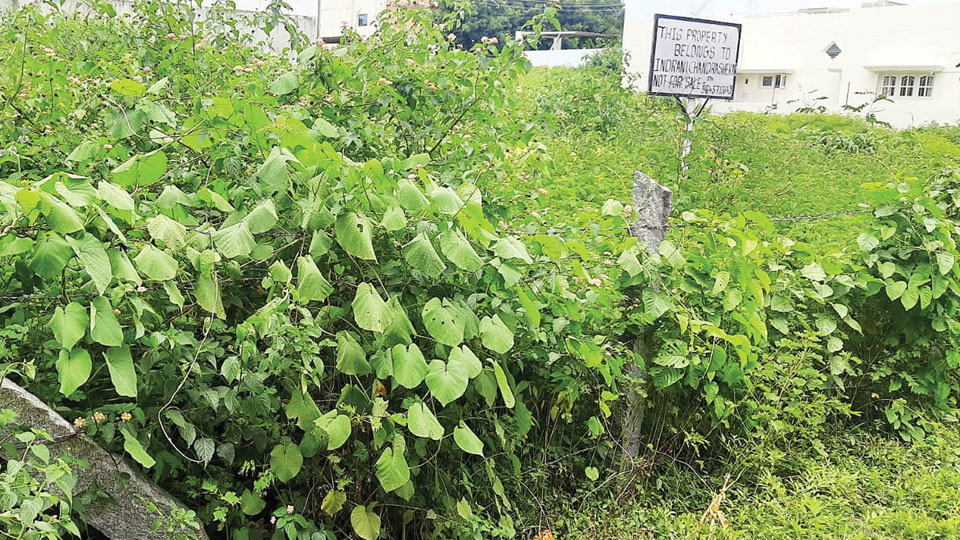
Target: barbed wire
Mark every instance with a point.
(678, 225)
(551, 231)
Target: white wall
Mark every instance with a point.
(334, 14)
(559, 57)
(915, 40)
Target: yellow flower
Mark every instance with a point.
(126, 417)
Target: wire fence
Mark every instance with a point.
(673, 224)
(552, 231)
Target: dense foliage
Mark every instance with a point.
(501, 19)
(315, 298)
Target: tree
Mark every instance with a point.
(502, 19)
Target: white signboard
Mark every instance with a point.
(694, 57)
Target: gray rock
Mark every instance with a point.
(653, 203)
(127, 515)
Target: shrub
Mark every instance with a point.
(277, 281)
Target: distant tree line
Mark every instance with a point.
(502, 19)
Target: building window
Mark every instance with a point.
(833, 50)
(362, 19)
(888, 85)
(773, 81)
(906, 85)
(925, 88)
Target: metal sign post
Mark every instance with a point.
(693, 59)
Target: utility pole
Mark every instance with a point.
(319, 35)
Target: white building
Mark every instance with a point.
(833, 58)
(360, 16)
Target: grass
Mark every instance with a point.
(860, 487)
(768, 163)
(857, 484)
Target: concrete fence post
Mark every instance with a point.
(653, 203)
(125, 515)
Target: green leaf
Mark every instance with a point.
(213, 198)
(122, 373)
(813, 272)
(420, 255)
(77, 191)
(16, 247)
(511, 248)
(128, 87)
(95, 260)
(156, 264)
(895, 289)
(508, 400)
(495, 335)
(284, 84)
(670, 252)
(446, 200)
(311, 285)
(251, 504)
(122, 267)
(529, 307)
(69, 324)
(467, 441)
(279, 272)
(391, 469)
(666, 376)
(592, 473)
(867, 242)
(207, 292)
(442, 323)
(333, 502)
(235, 240)
(365, 523)
(172, 233)
(73, 367)
(285, 461)
(422, 423)
(230, 369)
(133, 447)
(61, 218)
(325, 128)
(462, 358)
(351, 360)
(446, 382)
(262, 218)
(401, 329)
(458, 250)
(409, 365)
(115, 196)
(320, 244)
(910, 298)
(369, 310)
(104, 328)
(945, 262)
(85, 151)
(51, 255)
(273, 174)
(355, 235)
(338, 431)
(393, 219)
(411, 198)
(173, 293)
(141, 170)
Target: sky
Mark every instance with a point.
(715, 8)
